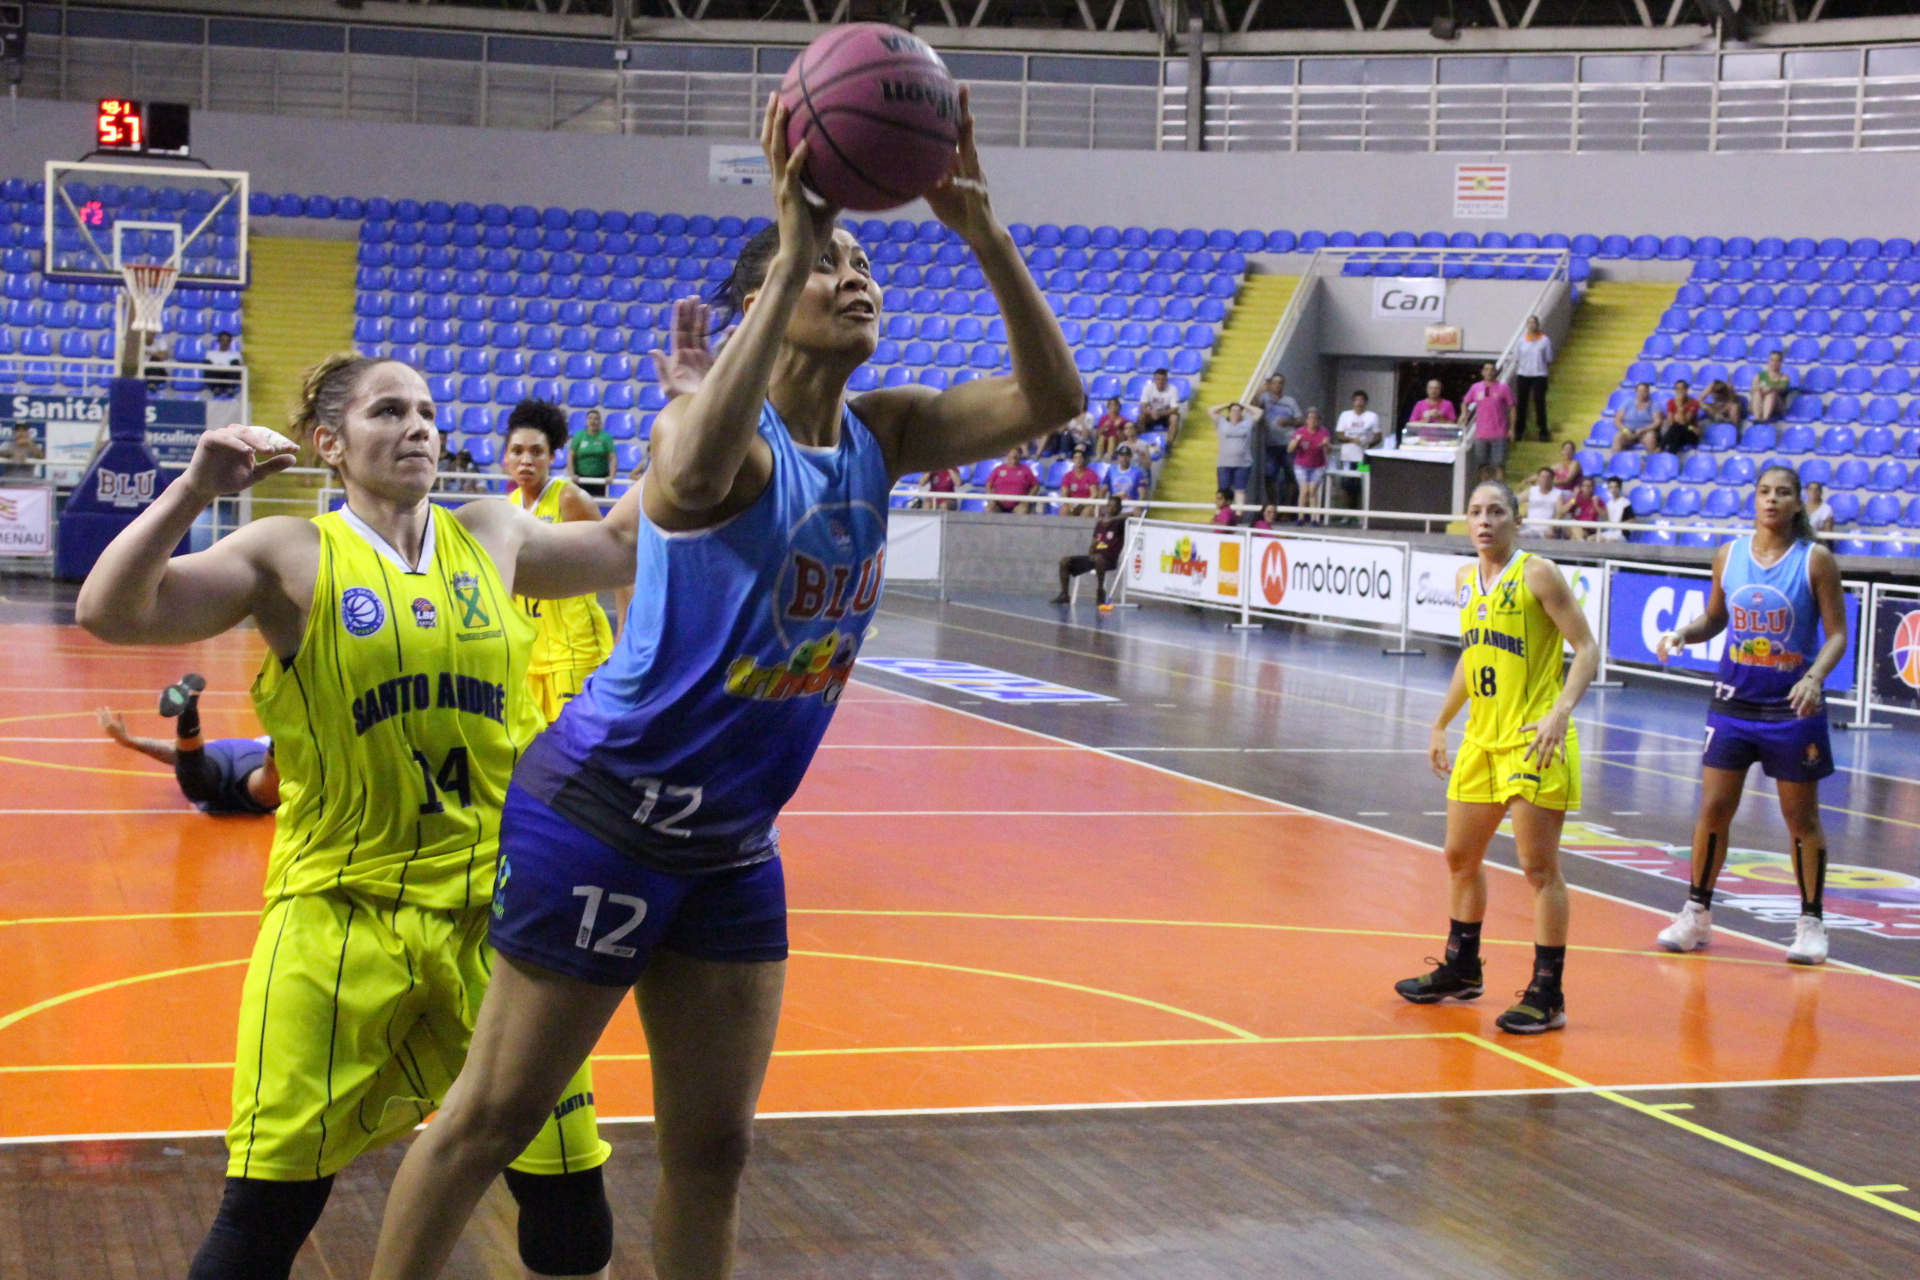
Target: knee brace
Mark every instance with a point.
(260, 1227)
(566, 1226)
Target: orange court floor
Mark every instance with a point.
(983, 917)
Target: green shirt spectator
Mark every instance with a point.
(590, 457)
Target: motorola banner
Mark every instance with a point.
(1357, 581)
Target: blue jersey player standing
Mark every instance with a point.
(637, 845)
(1775, 592)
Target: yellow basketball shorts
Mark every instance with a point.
(354, 1020)
(553, 690)
(1483, 775)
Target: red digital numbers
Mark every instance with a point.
(93, 214)
(117, 125)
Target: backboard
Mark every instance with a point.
(99, 215)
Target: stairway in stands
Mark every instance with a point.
(1189, 472)
(297, 310)
(1609, 328)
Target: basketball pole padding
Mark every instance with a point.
(120, 483)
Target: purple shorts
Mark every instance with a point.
(1797, 750)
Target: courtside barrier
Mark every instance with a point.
(1890, 657)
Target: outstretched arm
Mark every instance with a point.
(139, 592)
(555, 561)
(923, 430)
(1709, 624)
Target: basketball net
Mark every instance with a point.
(148, 286)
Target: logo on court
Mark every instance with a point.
(1906, 650)
(425, 616)
(361, 611)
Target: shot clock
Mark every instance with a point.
(153, 128)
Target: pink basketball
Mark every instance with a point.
(880, 111)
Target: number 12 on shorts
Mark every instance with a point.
(609, 944)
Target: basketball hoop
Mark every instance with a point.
(148, 286)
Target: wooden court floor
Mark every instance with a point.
(987, 920)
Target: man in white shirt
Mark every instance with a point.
(1358, 430)
(223, 356)
(1160, 406)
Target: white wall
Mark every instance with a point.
(1754, 194)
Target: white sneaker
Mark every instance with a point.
(1691, 930)
(1809, 942)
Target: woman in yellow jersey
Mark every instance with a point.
(395, 692)
(573, 637)
(1520, 759)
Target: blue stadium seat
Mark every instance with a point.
(508, 392)
(1888, 476)
(440, 360)
(1697, 468)
(1721, 504)
(1736, 470)
(1909, 443)
(1661, 468)
(1910, 517)
(1624, 466)
(1795, 438)
(1681, 501)
(1856, 381)
(1880, 511)
(1852, 473)
(1659, 347)
(1837, 441)
(1719, 437)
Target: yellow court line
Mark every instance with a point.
(1870, 1195)
(65, 996)
(85, 768)
(1237, 1032)
(143, 915)
(115, 1066)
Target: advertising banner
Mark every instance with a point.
(913, 546)
(1646, 605)
(1895, 650)
(1329, 578)
(1186, 562)
(1434, 607)
(1411, 299)
(26, 522)
(68, 427)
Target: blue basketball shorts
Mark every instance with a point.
(566, 901)
(1797, 750)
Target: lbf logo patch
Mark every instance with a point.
(361, 611)
(425, 616)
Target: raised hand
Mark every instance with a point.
(229, 459)
(806, 224)
(960, 201)
(683, 366)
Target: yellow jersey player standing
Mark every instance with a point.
(572, 637)
(1520, 759)
(395, 692)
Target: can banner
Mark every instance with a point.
(1328, 578)
(1186, 562)
(26, 522)
(1896, 652)
(1434, 607)
(1645, 606)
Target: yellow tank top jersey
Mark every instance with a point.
(573, 633)
(397, 725)
(1512, 653)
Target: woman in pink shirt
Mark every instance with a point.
(1223, 509)
(1436, 409)
(947, 481)
(1489, 404)
(1108, 431)
(1012, 478)
(1309, 450)
(1081, 481)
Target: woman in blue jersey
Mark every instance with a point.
(1774, 592)
(638, 848)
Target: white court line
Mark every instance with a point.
(35, 812)
(1895, 979)
(1032, 813)
(1016, 1108)
(149, 691)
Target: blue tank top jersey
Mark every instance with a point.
(683, 748)
(1773, 626)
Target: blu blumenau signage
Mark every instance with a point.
(69, 426)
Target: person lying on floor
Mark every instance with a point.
(226, 775)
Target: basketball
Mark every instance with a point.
(881, 112)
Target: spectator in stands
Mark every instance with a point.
(1723, 404)
(1309, 449)
(1638, 422)
(1269, 518)
(643, 458)
(223, 373)
(1147, 454)
(1110, 430)
(1359, 430)
(1279, 419)
(1533, 357)
(1583, 506)
(1541, 503)
(1680, 424)
(1160, 406)
(1435, 410)
(1619, 510)
(946, 480)
(449, 463)
(155, 350)
(1080, 481)
(1819, 510)
(1770, 389)
(1126, 480)
(465, 464)
(1014, 479)
(1223, 516)
(1566, 472)
(1488, 405)
(21, 453)
(590, 457)
(1103, 556)
(1233, 462)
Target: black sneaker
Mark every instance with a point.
(1444, 983)
(1060, 599)
(176, 698)
(1540, 1009)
